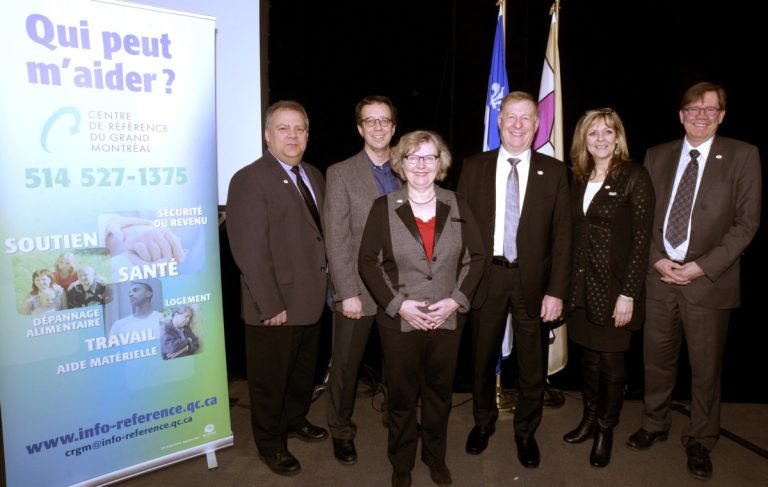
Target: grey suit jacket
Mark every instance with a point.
(724, 218)
(276, 243)
(351, 190)
(544, 231)
(393, 262)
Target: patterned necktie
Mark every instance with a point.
(307, 195)
(511, 212)
(680, 214)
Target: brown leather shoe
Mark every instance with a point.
(281, 463)
(307, 431)
(643, 439)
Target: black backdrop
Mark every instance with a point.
(432, 58)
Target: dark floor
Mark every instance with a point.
(562, 464)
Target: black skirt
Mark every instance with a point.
(597, 337)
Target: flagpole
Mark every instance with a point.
(505, 402)
(558, 127)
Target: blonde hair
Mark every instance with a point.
(410, 142)
(581, 159)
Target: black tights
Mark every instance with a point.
(611, 364)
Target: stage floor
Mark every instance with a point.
(561, 465)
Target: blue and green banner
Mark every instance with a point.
(111, 328)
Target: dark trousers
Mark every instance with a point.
(705, 332)
(531, 340)
(418, 365)
(281, 364)
(350, 337)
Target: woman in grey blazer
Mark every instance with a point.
(421, 257)
(612, 204)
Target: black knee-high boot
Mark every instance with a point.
(610, 397)
(586, 427)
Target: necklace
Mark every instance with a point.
(422, 202)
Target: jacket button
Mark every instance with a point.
(434, 259)
(319, 239)
(429, 278)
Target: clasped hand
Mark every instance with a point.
(681, 274)
(438, 313)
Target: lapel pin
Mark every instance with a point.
(540, 173)
(285, 181)
(612, 193)
(718, 156)
(398, 201)
(607, 186)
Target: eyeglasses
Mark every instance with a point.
(413, 159)
(370, 122)
(695, 111)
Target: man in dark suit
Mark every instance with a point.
(708, 200)
(276, 238)
(353, 184)
(521, 203)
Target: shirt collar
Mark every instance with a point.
(703, 149)
(286, 167)
(523, 156)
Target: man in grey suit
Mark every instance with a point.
(708, 201)
(353, 185)
(521, 202)
(276, 237)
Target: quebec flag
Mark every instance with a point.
(498, 87)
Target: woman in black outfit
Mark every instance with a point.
(612, 201)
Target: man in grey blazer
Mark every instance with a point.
(529, 273)
(276, 237)
(695, 254)
(353, 185)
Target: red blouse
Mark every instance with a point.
(427, 231)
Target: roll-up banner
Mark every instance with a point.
(111, 328)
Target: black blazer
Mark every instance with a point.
(610, 247)
(544, 231)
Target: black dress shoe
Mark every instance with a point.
(344, 451)
(307, 431)
(528, 451)
(699, 464)
(477, 441)
(642, 439)
(440, 474)
(401, 479)
(282, 463)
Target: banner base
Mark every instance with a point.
(208, 449)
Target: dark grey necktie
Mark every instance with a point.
(680, 214)
(307, 195)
